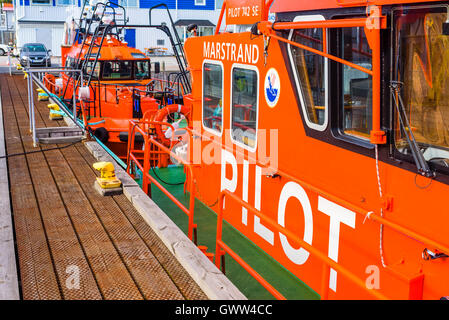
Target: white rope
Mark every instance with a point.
(368, 214)
(381, 231)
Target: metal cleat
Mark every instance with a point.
(56, 115)
(42, 97)
(53, 106)
(108, 182)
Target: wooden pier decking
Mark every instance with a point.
(63, 226)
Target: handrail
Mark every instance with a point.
(145, 168)
(221, 249)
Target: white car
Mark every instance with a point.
(3, 49)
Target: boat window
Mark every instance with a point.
(68, 62)
(93, 55)
(245, 87)
(310, 75)
(96, 71)
(421, 63)
(142, 69)
(138, 55)
(356, 85)
(117, 70)
(213, 97)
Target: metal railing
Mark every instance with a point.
(143, 128)
(36, 75)
(222, 248)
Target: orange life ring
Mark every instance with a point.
(164, 112)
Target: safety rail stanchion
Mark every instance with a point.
(325, 281)
(29, 102)
(9, 60)
(221, 249)
(148, 179)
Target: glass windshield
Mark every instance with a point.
(421, 63)
(356, 85)
(117, 70)
(310, 72)
(213, 96)
(142, 69)
(244, 106)
(34, 48)
(95, 71)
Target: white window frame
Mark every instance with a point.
(73, 2)
(50, 3)
(213, 131)
(316, 126)
(200, 4)
(253, 68)
(136, 6)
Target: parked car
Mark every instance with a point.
(34, 54)
(3, 49)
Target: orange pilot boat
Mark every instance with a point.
(319, 143)
(116, 82)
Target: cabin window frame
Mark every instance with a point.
(311, 124)
(47, 3)
(200, 3)
(103, 63)
(336, 98)
(339, 101)
(62, 4)
(236, 142)
(211, 130)
(397, 154)
(98, 65)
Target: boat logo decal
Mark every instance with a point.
(272, 87)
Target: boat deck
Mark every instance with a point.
(63, 227)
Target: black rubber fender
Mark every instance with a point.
(102, 134)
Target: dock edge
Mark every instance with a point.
(210, 279)
(9, 284)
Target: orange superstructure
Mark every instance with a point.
(117, 82)
(323, 138)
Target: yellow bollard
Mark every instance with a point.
(107, 179)
(42, 97)
(53, 106)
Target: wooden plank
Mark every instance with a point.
(9, 285)
(37, 280)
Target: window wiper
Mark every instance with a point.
(418, 157)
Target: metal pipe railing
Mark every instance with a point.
(147, 179)
(31, 72)
(222, 248)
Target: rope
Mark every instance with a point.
(36, 151)
(381, 231)
(200, 197)
(368, 214)
(168, 183)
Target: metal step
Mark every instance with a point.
(59, 135)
